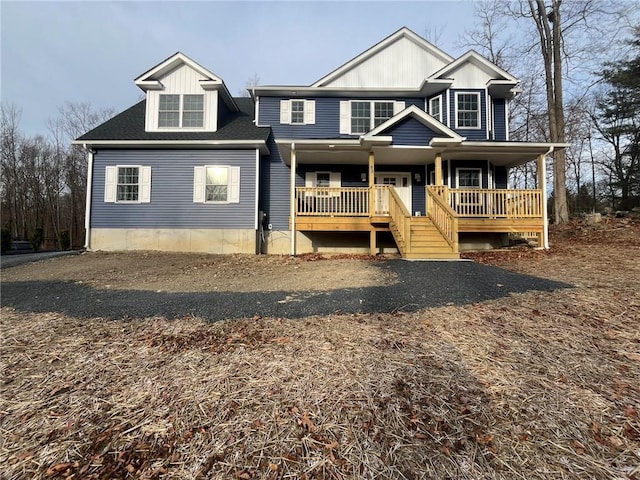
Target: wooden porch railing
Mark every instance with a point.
(381, 205)
(336, 202)
(442, 215)
(401, 220)
(498, 203)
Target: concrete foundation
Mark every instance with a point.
(278, 242)
(174, 240)
(482, 241)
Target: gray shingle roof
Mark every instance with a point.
(129, 125)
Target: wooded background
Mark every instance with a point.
(579, 66)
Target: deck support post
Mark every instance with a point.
(372, 178)
(439, 179)
(292, 199)
(543, 240)
(372, 242)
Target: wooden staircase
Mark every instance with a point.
(425, 241)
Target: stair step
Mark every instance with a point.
(432, 256)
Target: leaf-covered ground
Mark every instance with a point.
(536, 385)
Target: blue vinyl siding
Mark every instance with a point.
(410, 132)
(470, 134)
(499, 119)
(274, 184)
(327, 117)
(171, 203)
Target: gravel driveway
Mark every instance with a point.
(420, 285)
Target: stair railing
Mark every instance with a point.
(442, 215)
(401, 220)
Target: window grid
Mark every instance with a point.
(217, 184)
(468, 178)
(323, 179)
(468, 110)
(169, 111)
(128, 184)
(297, 111)
(435, 108)
(193, 111)
(383, 111)
(360, 117)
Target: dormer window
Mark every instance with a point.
(181, 111)
(435, 108)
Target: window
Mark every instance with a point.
(468, 178)
(216, 184)
(328, 180)
(467, 110)
(361, 116)
(193, 111)
(181, 111)
(323, 179)
(435, 108)
(169, 115)
(127, 184)
(297, 112)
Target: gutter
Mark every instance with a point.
(545, 214)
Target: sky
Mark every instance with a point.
(57, 52)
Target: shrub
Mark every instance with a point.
(65, 240)
(36, 239)
(6, 240)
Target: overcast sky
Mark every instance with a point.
(54, 52)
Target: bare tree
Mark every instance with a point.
(252, 81)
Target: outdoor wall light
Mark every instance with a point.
(417, 177)
(363, 177)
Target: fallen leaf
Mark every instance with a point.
(578, 447)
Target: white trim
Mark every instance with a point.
(448, 173)
(423, 117)
(117, 173)
(233, 185)
(475, 169)
(447, 95)
(458, 127)
(489, 176)
(487, 113)
(473, 57)
(231, 144)
(256, 119)
(439, 98)
(372, 118)
(87, 208)
(506, 119)
(292, 198)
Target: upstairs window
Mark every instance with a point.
(467, 110)
(361, 116)
(181, 111)
(297, 112)
(169, 112)
(435, 108)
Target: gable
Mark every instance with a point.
(402, 60)
(410, 131)
(469, 75)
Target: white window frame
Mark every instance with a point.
(112, 175)
(478, 112)
(335, 181)
(308, 115)
(431, 107)
(200, 185)
(474, 169)
(181, 112)
(346, 109)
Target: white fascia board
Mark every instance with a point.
(445, 141)
(301, 144)
(171, 62)
(431, 86)
(150, 85)
(230, 144)
(293, 91)
(474, 57)
(370, 52)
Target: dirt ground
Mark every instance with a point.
(537, 385)
(178, 272)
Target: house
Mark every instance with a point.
(403, 147)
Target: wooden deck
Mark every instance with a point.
(451, 211)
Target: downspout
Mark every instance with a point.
(292, 198)
(87, 211)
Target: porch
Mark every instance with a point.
(449, 212)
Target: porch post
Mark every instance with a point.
(292, 200)
(542, 185)
(439, 180)
(372, 203)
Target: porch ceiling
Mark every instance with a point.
(507, 154)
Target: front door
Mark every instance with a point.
(401, 182)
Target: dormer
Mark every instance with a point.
(183, 96)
